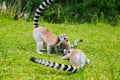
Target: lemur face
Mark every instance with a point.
(67, 52)
(63, 37)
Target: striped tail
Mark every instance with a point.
(76, 42)
(39, 11)
(54, 65)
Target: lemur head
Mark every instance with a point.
(63, 37)
(67, 51)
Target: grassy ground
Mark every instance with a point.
(101, 44)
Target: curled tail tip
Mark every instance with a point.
(79, 40)
(32, 58)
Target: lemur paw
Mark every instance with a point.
(40, 53)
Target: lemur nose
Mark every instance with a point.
(65, 38)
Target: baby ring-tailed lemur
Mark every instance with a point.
(42, 34)
(77, 60)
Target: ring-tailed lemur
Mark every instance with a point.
(42, 34)
(67, 46)
(77, 60)
(76, 56)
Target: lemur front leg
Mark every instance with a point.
(67, 56)
(49, 49)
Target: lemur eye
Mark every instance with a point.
(68, 51)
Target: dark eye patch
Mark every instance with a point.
(65, 38)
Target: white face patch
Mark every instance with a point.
(67, 51)
(63, 37)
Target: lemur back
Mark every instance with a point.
(42, 34)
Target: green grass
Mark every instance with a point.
(101, 44)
